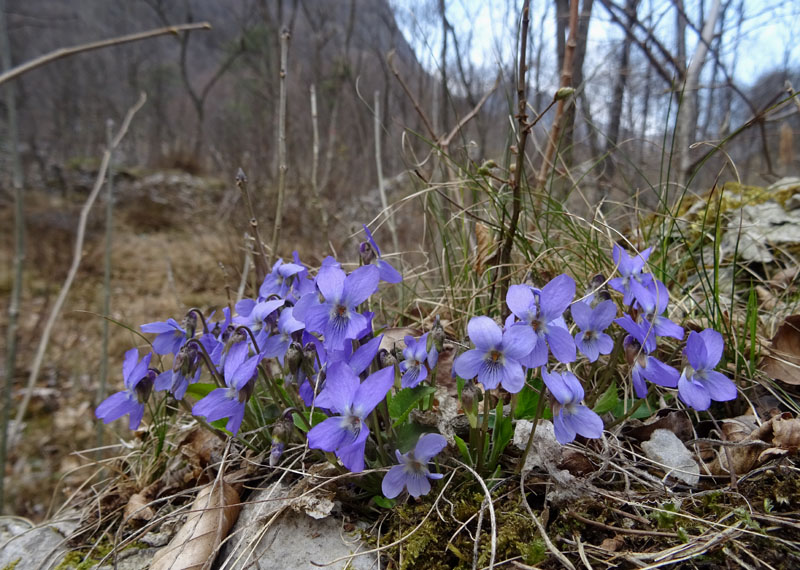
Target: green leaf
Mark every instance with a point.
(501, 435)
(608, 401)
(527, 400)
(462, 447)
(200, 390)
(382, 501)
(401, 404)
(645, 409)
(314, 419)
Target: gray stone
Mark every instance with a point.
(270, 533)
(33, 547)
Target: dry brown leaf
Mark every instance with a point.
(784, 361)
(673, 420)
(394, 337)
(612, 544)
(138, 508)
(194, 546)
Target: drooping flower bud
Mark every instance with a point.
(386, 358)
(190, 324)
(437, 335)
(367, 252)
(145, 385)
(469, 396)
(294, 357)
(281, 432)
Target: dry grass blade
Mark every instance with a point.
(214, 511)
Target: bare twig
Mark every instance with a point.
(446, 140)
(73, 270)
(101, 391)
(66, 52)
(261, 258)
(282, 166)
(323, 213)
(417, 108)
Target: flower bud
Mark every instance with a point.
(367, 253)
(469, 396)
(386, 358)
(436, 335)
(145, 385)
(564, 93)
(190, 324)
(294, 357)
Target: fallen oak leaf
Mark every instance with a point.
(194, 546)
(783, 362)
(138, 507)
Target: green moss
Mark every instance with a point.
(87, 558)
(12, 565)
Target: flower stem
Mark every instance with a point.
(537, 415)
(483, 431)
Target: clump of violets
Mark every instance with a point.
(413, 473)
(699, 383)
(570, 417)
(592, 341)
(495, 360)
(138, 378)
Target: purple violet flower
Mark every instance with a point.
(170, 336)
(496, 357)
(336, 318)
(570, 417)
(592, 341)
(699, 382)
(229, 402)
(416, 355)
(542, 311)
(371, 253)
(647, 367)
(653, 300)
(630, 269)
(344, 394)
(413, 472)
(277, 344)
(138, 379)
(279, 280)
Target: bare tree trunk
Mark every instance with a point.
(615, 113)
(442, 103)
(687, 114)
(538, 102)
(581, 37)
(19, 244)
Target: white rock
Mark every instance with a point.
(666, 449)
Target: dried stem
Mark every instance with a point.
(323, 213)
(261, 258)
(73, 270)
(282, 166)
(379, 165)
(101, 391)
(417, 108)
(66, 52)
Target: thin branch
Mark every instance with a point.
(446, 140)
(73, 270)
(420, 112)
(66, 52)
(282, 166)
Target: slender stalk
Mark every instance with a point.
(483, 431)
(73, 270)
(537, 415)
(379, 166)
(522, 138)
(101, 391)
(19, 248)
(66, 52)
(282, 166)
(261, 260)
(323, 213)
